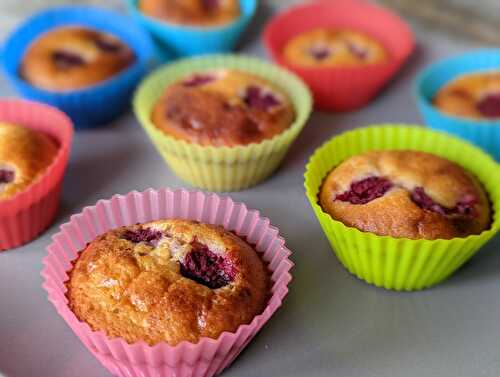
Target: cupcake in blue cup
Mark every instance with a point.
(40, 69)
(196, 26)
(461, 95)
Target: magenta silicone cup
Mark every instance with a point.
(209, 356)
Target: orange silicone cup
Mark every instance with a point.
(28, 213)
(343, 88)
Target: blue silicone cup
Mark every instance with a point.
(98, 104)
(483, 133)
(182, 40)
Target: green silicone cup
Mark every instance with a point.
(399, 263)
(222, 168)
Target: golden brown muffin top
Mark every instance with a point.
(192, 12)
(25, 155)
(167, 280)
(223, 108)
(475, 95)
(406, 194)
(74, 57)
(334, 47)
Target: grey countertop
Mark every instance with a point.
(331, 323)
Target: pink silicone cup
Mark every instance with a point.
(27, 214)
(209, 356)
(343, 88)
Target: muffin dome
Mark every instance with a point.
(168, 280)
(25, 155)
(405, 194)
(73, 57)
(192, 12)
(329, 48)
(223, 108)
(474, 96)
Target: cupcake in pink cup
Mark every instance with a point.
(345, 50)
(35, 142)
(167, 283)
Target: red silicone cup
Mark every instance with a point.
(343, 88)
(209, 356)
(24, 216)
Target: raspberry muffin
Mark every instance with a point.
(192, 12)
(167, 281)
(25, 155)
(474, 96)
(406, 194)
(223, 108)
(334, 48)
(74, 57)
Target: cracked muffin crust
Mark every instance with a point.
(74, 57)
(25, 155)
(223, 108)
(405, 194)
(167, 280)
(192, 12)
(329, 48)
(474, 96)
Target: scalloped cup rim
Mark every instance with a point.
(301, 116)
(64, 145)
(271, 47)
(314, 202)
(132, 5)
(273, 303)
(20, 82)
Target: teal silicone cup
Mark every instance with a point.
(182, 40)
(483, 133)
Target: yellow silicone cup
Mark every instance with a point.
(222, 168)
(399, 263)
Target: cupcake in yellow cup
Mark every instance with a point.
(400, 259)
(222, 122)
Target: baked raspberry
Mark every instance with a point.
(198, 80)
(146, 235)
(67, 60)
(489, 105)
(319, 52)
(357, 51)
(6, 175)
(107, 46)
(366, 190)
(464, 207)
(210, 5)
(206, 267)
(255, 97)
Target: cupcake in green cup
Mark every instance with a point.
(401, 263)
(214, 167)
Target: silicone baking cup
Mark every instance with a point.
(182, 40)
(222, 168)
(209, 356)
(484, 133)
(398, 263)
(96, 105)
(27, 214)
(342, 88)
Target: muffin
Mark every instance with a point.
(405, 194)
(25, 154)
(167, 281)
(192, 12)
(223, 107)
(73, 57)
(334, 48)
(475, 95)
